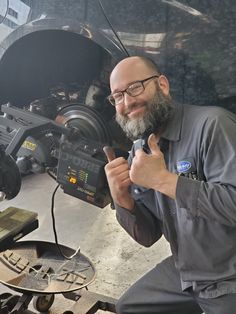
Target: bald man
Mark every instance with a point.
(178, 182)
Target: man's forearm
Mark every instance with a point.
(167, 184)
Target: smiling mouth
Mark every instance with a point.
(135, 111)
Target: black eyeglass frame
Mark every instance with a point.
(110, 98)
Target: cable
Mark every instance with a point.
(112, 28)
(54, 228)
(3, 18)
(51, 175)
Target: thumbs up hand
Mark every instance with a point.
(117, 172)
(148, 170)
(152, 143)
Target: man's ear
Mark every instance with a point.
(163, 84)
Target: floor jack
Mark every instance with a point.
(37, 270)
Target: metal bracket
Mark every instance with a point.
(89, 302)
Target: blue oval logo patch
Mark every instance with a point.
(183, 166)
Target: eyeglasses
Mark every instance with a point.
(133, 90)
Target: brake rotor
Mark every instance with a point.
(87, 120)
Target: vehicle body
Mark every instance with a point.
(56, 56)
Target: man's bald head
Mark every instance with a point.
(136, 61)
(136, 66)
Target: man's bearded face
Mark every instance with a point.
(154, 120)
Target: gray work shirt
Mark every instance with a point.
(199, 144)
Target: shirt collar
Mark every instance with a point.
(173, 128)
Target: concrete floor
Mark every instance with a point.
(118, 259)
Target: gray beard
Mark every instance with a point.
(153, 121)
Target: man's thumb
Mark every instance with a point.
(109, 152)
(152, 143)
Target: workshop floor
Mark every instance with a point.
(119, 261)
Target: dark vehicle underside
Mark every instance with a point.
(56, 56)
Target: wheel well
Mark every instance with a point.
(40, 60)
